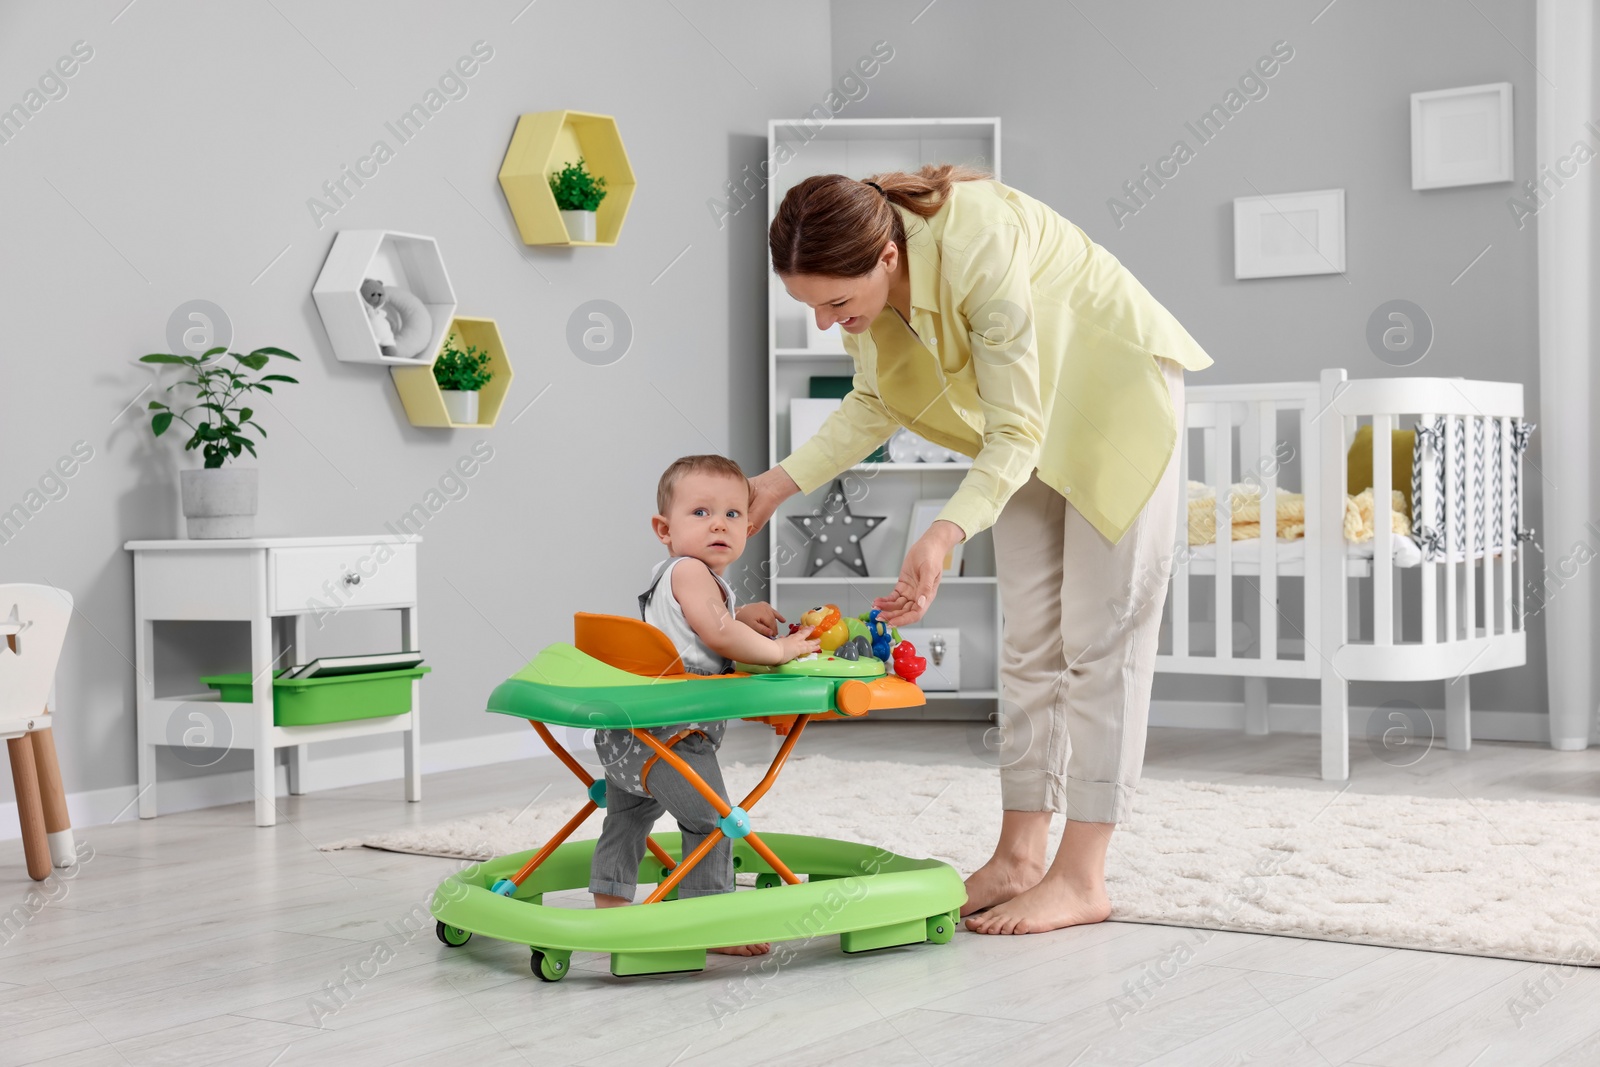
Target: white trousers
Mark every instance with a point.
(1082, 619)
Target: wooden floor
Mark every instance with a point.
(197, 938)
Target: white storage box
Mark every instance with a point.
(806, 415)
(942, 649)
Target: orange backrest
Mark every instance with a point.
(631, 645)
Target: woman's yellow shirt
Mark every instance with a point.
(1029, 346)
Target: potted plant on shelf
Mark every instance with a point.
(578, 194)
(218, 500)
(460, 374)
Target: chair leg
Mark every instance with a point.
(30, 812)
(53, 796)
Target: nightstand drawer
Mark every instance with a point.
(320, 579)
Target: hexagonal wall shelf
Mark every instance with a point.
(543, 143)
(424, 400)
(404, 260)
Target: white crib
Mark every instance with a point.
(1321, 608)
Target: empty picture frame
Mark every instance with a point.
(1288, 233)
(1461, 136)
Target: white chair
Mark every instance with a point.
(33, 627)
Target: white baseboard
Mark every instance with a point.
(96, 807)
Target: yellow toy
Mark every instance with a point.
(828, 625)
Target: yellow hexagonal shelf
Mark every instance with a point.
(543, 143)
(424, 400)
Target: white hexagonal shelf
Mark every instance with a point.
(406, 262)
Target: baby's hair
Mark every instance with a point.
(708, 464)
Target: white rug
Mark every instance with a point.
(1507, 878)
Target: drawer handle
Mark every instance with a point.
(352, 578)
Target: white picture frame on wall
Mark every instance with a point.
(923, 512)
(1461, 136)
(1288, 234)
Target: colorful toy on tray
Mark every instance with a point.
(621, 673)
(859, 637)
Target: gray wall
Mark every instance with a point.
(177, 166)
(1091, 92)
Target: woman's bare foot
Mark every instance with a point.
(744, 950)
(1053, 903)
(1072, 892)
(1017, 863)
(998, 881)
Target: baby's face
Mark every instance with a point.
(709, 518)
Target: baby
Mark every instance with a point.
(703, 503)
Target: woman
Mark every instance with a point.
(985, 322)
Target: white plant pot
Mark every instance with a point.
(580, 225)
(461, 405)
(220, 502)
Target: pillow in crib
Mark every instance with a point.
(1359, 468)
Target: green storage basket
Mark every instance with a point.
(310, 701)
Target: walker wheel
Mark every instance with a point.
(768, 880)
(453, 936)
(549, 970)
(940, 930)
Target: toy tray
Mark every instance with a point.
(566, 687)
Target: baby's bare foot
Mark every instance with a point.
(744, 950)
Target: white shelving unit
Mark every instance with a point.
(969, 603)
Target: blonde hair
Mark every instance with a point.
(837, 226)
(707, 464)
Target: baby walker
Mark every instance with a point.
(622, 673)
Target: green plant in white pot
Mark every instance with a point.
(460, 374)
(218, 500)
(578, 194)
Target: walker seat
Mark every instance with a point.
(623, 673)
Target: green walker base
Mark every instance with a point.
(867, 897)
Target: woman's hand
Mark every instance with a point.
(919, 575)
(767, 491)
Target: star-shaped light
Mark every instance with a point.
(833, 535)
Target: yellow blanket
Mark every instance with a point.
(1245, 500)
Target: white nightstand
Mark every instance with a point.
(260, 580)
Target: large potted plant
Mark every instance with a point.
(460, 374)
(578, 194)
(218, 500)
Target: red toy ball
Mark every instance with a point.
(907, 664)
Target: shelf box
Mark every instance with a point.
(312, 701)
(543, 143)
(424, 400)
(410, 261)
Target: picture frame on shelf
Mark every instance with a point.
(1288, 234)
(1461, 136)
(923, 512)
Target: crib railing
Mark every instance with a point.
(1470, 609)
(1265, 451)
(1303, 430)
